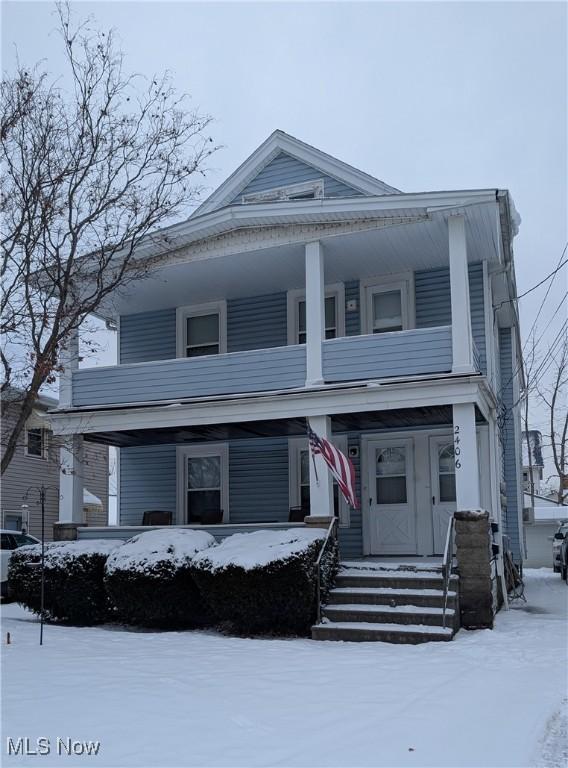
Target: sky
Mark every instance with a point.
(423, 95)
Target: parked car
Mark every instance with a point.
(564, 559)
(557, 541)
(11, 540)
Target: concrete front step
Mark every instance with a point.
(384, 614)
(387, 632)
(352, 577)
(391, 597)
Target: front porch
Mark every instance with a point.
(259, 475)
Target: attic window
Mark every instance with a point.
(309, 190)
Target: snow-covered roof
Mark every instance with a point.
(551, 514)
(90, 500)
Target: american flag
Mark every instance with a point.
(339, 465)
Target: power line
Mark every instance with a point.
(550, 277)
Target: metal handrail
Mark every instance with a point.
(328, 535)
(447, 561)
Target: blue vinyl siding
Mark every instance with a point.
(351, 539)
(284, 170)
(147, 336)
(258, 485)
(428, 350)
(258, 322)
(352, 319)
(434, 306)
(510, 468)
(147, 481)
(253, 371)
(258, 480)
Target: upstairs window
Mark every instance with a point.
(387, 311)
(309, 190)
(330, 319)
(334, 314)
(201, 330)
(36, 443)
(387, 304)
(202, 335)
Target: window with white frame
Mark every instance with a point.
(334, 314)
(299, 478)
(308, 190)
(203, 483)
(201, 330)
(36, 443)
(388, 305)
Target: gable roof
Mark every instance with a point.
(276, 144)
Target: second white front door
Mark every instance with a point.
(391, 521)
(443, 484)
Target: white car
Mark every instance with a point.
(557, 540)
(10, 541)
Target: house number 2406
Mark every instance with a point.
(457, 449)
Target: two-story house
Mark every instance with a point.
(306, 291)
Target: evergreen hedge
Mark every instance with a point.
(74, 580)
(150, 582)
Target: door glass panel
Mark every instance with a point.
(202, 335)
(391, 475)
(387, 311)
(447, 473)
(203, 486)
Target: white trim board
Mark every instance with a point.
(327, 400)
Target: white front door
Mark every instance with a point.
(391, 522)
(442, 464)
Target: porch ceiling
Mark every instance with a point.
(211, 270)
(350, 422)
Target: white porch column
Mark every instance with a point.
(466, 461)
(315, 313)
(71, 480)
(321, 489)
(462, 341)
(69, 360)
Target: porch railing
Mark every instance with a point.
(328, 537)
(447, 563)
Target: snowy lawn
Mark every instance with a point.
(489, 698)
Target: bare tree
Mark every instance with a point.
(553, 394)
(90, 171)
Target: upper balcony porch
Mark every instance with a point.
(281, 305)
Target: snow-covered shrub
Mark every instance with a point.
(74, 579)
(149, 579)
(264, 582)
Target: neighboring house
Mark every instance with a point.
(35, 463)
(303, 288)
(532, 459)
(541, 524)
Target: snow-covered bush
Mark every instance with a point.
(150, 582)
(265, 582)
(74, 579)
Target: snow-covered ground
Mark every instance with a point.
(489, 698)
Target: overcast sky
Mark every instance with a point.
(424, 95)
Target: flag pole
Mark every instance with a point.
(308, 428)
